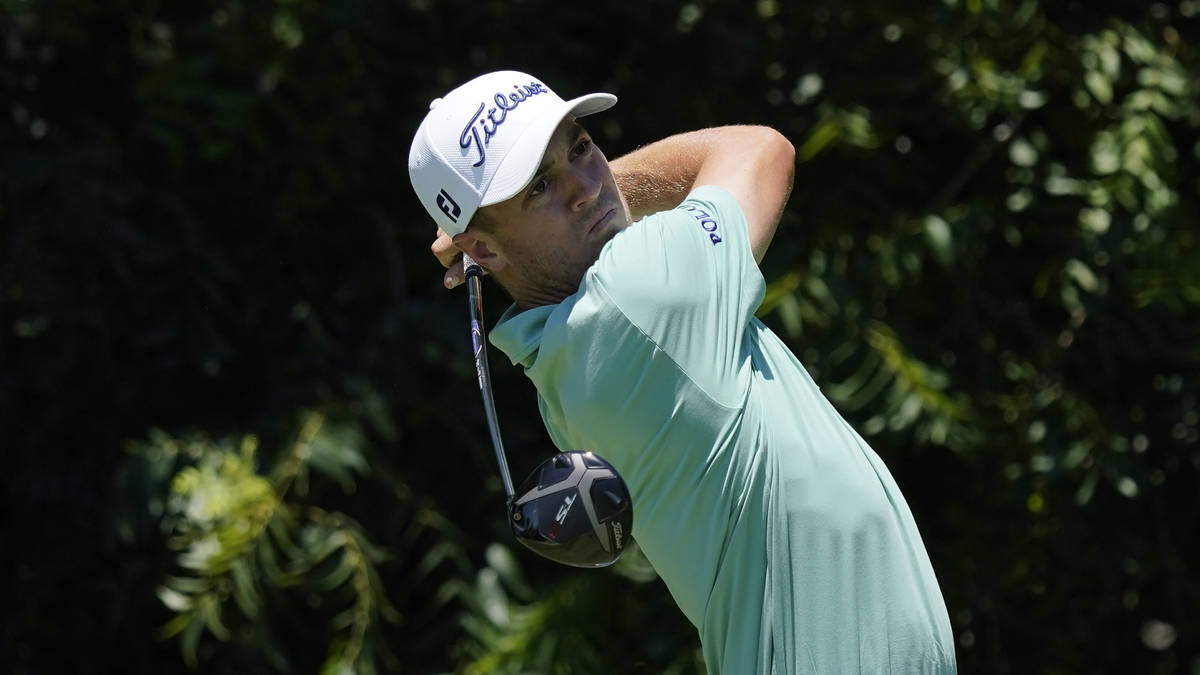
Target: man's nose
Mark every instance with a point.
(586, 188)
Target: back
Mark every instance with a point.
(779, 533)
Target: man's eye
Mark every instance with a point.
(583, 146)
(538, 187)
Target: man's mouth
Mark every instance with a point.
(604, 220)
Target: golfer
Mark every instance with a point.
(779, 532)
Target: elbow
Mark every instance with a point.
(761, 140)
(773, 152)
(778, 157)
(780, 149)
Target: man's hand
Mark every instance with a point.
(450, 257)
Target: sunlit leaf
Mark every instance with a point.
(1099, 86)
(1087, 488)
(937, 232)
(1082, 275)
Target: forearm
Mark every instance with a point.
(755, 164)
(658, 176)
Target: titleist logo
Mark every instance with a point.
(495, 117)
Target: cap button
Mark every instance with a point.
(434, 103)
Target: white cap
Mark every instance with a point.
(481, 143)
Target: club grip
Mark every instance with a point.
(470, 267)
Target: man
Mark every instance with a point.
(779, 532)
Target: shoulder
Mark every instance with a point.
(708, 217)
(715, 210)
(678, 275)
(676, 251)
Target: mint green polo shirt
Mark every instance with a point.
(779, 532)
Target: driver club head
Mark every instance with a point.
(573, 509)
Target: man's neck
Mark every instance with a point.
(528, 295)
(539, 298)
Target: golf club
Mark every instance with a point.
(573, 508)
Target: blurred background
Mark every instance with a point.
(240, 429)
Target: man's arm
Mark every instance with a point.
(755, 164)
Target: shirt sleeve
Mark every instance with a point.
(688, 280)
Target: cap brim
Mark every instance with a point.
(522, 160)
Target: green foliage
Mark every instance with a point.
(990, 263)
(513, 628)
(245, 543)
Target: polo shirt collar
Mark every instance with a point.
(519, 333)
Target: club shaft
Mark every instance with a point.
(474, 277)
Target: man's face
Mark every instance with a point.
(552, 231)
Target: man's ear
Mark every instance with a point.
(477, 248)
